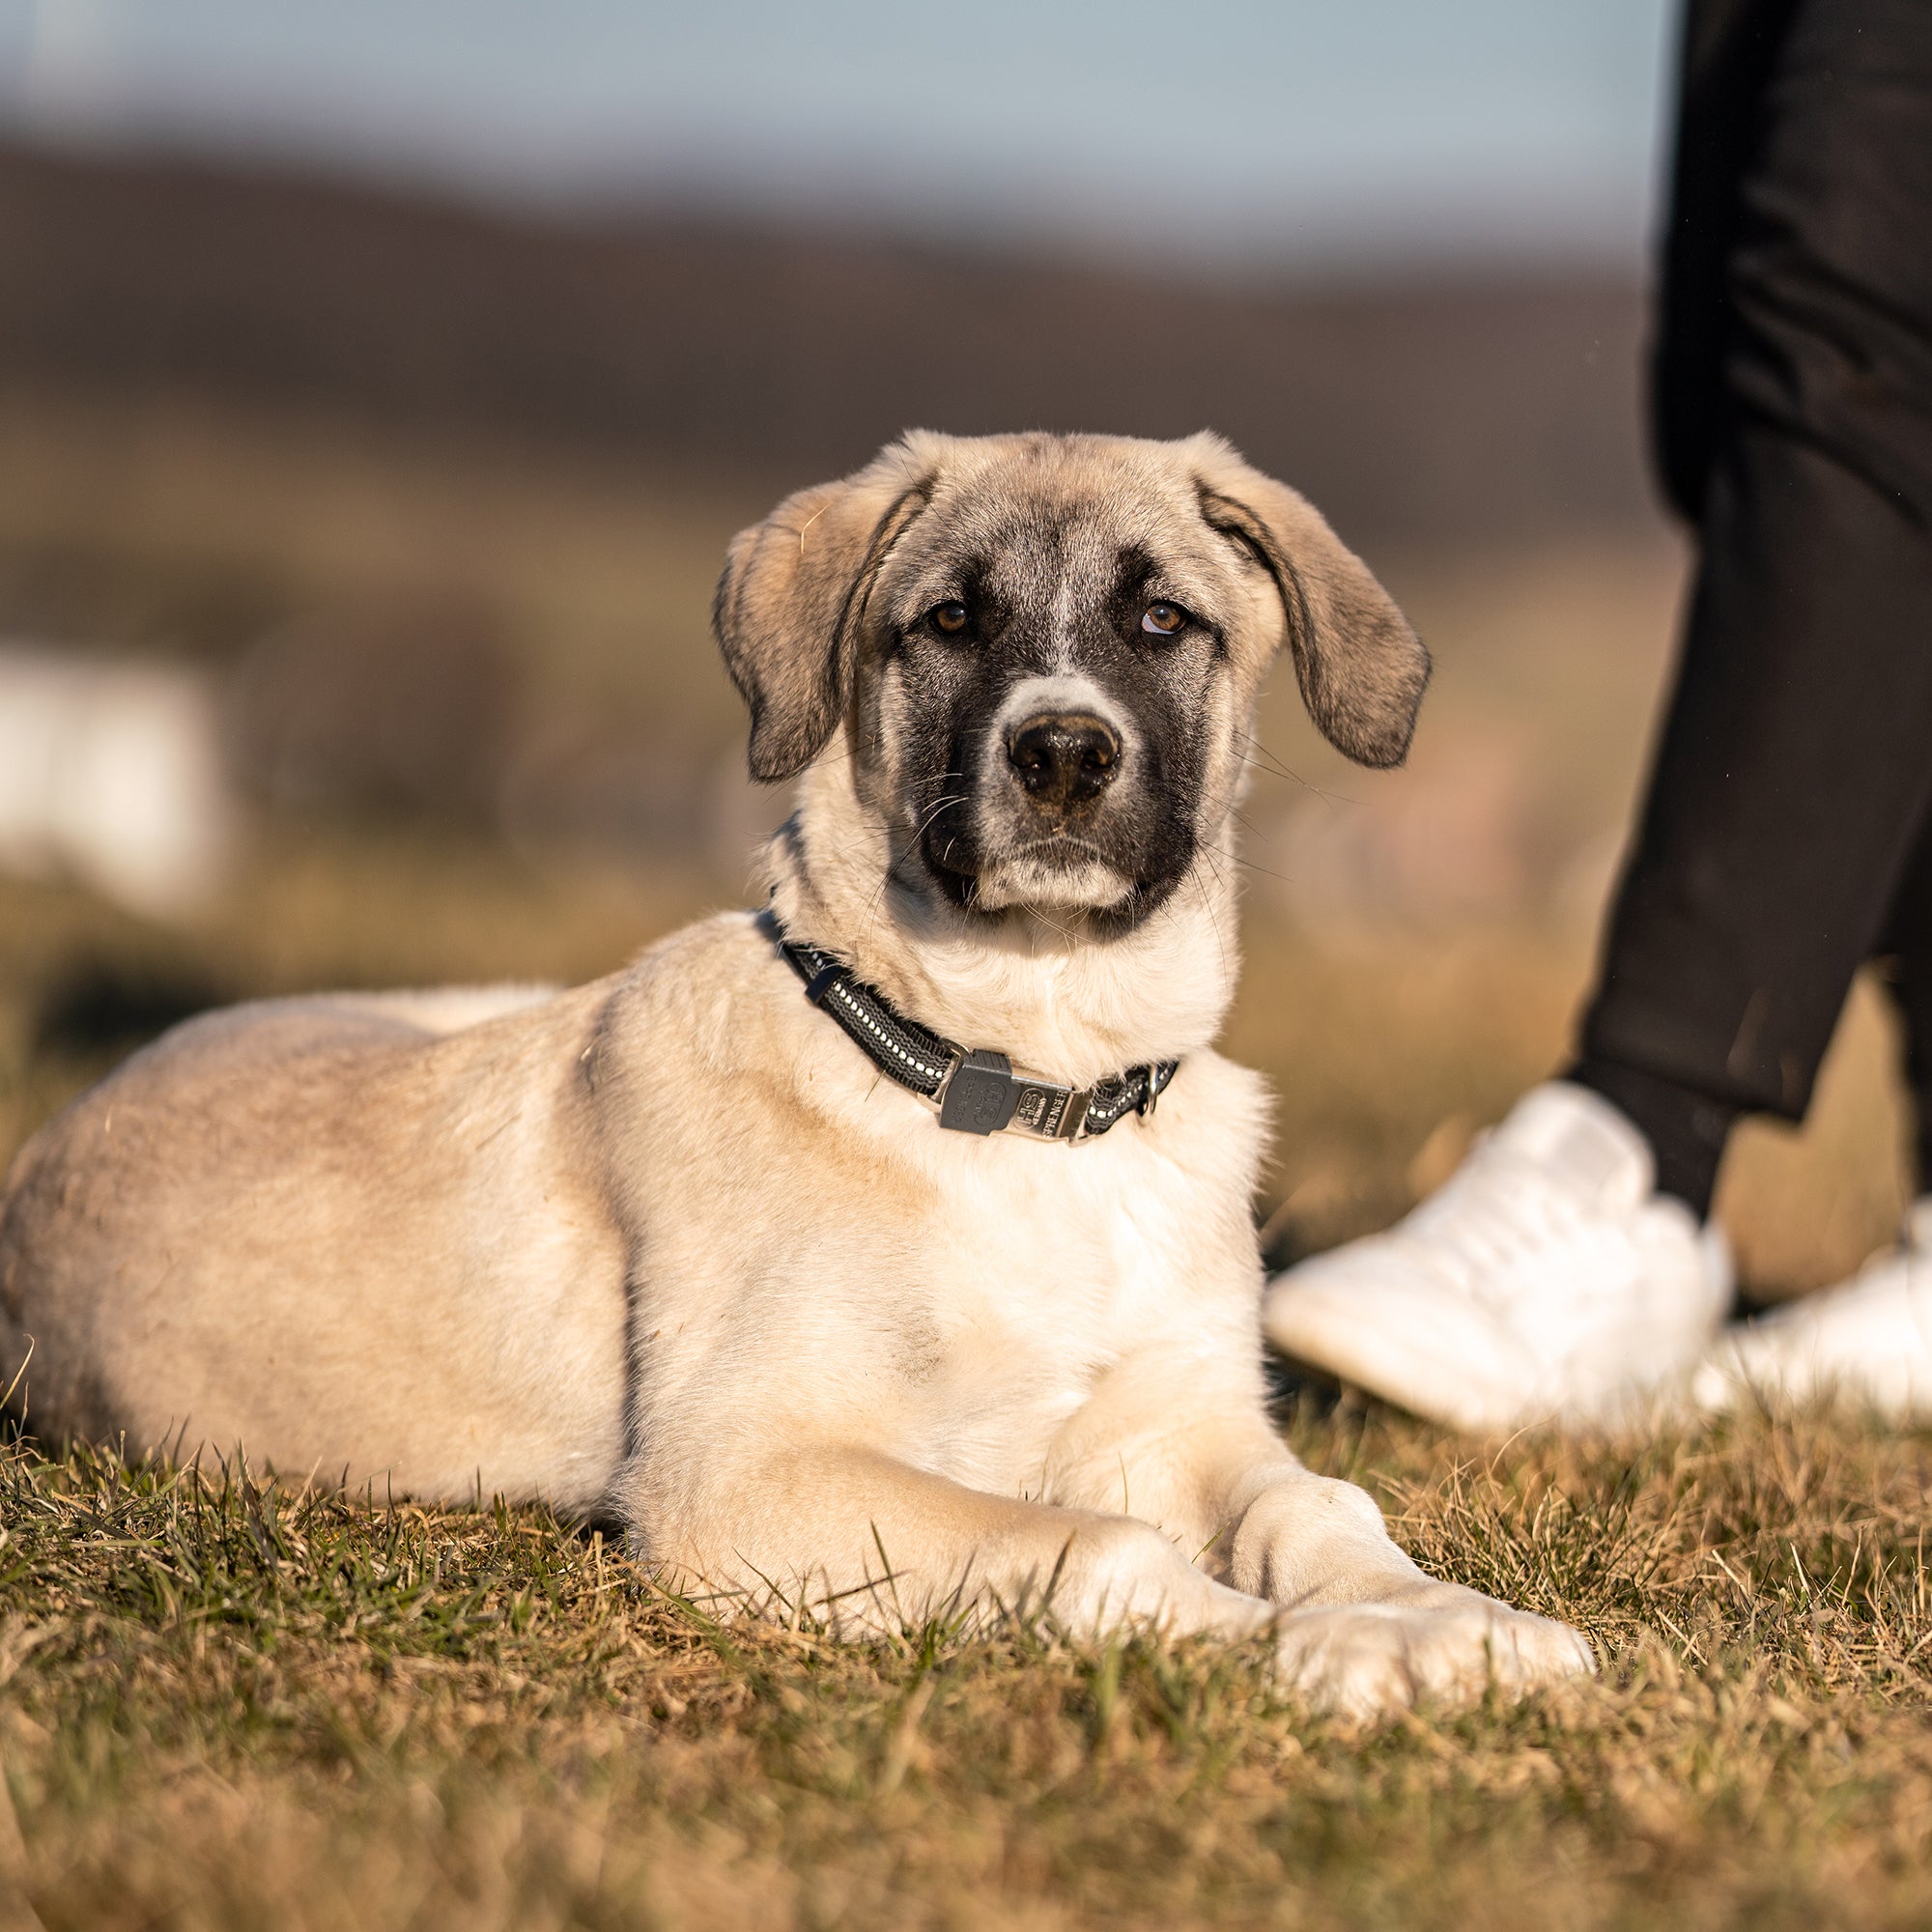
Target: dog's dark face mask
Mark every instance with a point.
(1044, 651)
(1046, 699)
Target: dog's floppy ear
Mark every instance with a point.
(792, 599)
(1362, 670)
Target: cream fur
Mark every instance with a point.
(666, 1247)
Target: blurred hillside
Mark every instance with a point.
(1476, 411)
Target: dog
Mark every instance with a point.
(886, 1253)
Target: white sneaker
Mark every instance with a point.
(1544, 1278)
(1869, 1340)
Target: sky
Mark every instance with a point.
(1359, 132)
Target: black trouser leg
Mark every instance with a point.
(1908, 939)
(1795, 768)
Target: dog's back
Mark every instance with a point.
(146, 1235)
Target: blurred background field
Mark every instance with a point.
(418, 497)
(503, 746)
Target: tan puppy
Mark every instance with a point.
(674, 1246)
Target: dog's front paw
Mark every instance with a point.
(1366, 1661)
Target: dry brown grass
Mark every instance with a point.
(225, 1706)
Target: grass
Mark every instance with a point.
(224, 1705)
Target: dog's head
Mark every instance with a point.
(1045, 650)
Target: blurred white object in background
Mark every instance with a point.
(112, 773)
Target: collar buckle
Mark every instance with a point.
(982, 1094)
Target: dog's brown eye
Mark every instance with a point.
(1163, 619)
(949, 616)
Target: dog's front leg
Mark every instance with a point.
(1186, 1444)
(874, 1545)
(1367, 1630)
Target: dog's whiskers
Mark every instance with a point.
(875, 899)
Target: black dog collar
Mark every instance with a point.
(977, 1091)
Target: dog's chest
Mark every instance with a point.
(1024, 1301)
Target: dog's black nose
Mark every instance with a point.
(1063, 762)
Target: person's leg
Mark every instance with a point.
(1727, 56)
(1869, 1339)
(1795, 768)
(1907, 941)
